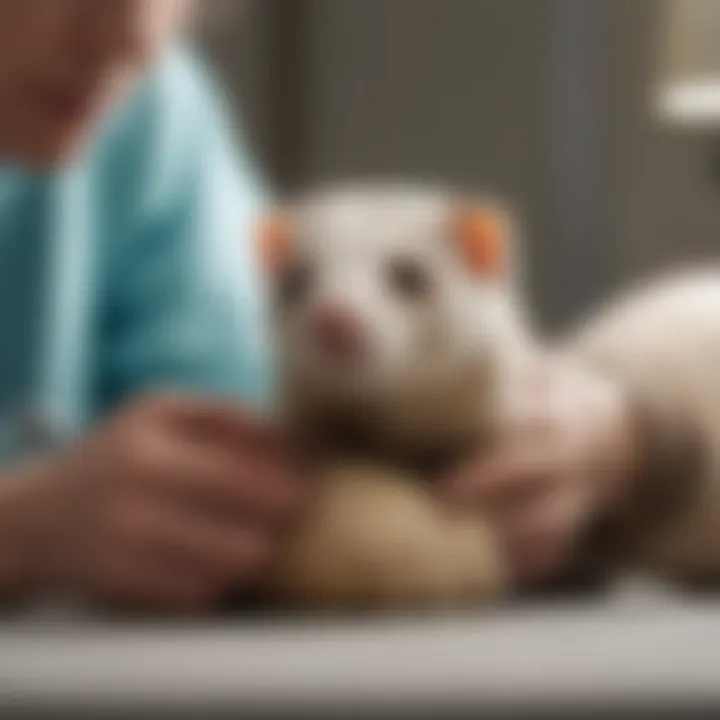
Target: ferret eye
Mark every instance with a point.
(409, 278)
(295, 284)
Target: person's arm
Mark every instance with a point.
(183, 304)
(171, 500)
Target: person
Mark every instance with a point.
(130, 317)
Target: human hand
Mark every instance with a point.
(169, 506)
(565, 460)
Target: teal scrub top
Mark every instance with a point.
(132, 269)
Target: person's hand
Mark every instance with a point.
(565, 460)
(168, 507)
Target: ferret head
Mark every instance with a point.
(386, 293)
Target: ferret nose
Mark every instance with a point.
(337, 333)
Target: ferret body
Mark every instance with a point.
(399, 333)
(662, 342)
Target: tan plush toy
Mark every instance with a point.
(398, 338)
(375, 538)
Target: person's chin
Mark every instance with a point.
(52, 150)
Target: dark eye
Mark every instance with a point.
(409, 278)
(295, 284)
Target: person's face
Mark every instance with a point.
(64, 62)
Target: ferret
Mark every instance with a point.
(661, 340)
(400, 333)
(402, 341)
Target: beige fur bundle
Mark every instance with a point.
(376, 539)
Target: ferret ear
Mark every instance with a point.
(274, 241)
(483, 233)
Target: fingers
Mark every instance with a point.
(133, 584)
(542, 447)
(159, 557)
(220, 421)
(535, 514)
(538, 504)
(228, 486)
(540, 484)
(219, 479)
(533, 490)
(185, 498)
(190, 541)
(541, 539)
(514, 476)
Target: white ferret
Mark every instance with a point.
(399, 335)
(402, 343)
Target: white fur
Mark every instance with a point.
(428, 368)
(663, 340)
(374, 536)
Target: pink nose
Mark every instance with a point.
(337, 333)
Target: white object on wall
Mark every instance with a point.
(688, 88)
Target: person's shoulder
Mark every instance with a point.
(174, 127)
(180, 90)
(166, 116)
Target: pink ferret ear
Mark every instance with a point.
(275, 239)
(483, 234)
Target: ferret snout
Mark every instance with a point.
(337, 332)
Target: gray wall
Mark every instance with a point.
(667, 202)
(454, 90)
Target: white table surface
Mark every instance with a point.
(617, 653)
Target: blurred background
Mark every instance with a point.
(594, 117)
(597, 119)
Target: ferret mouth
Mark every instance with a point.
(347, 371)
(340, 357)
(346, 376)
